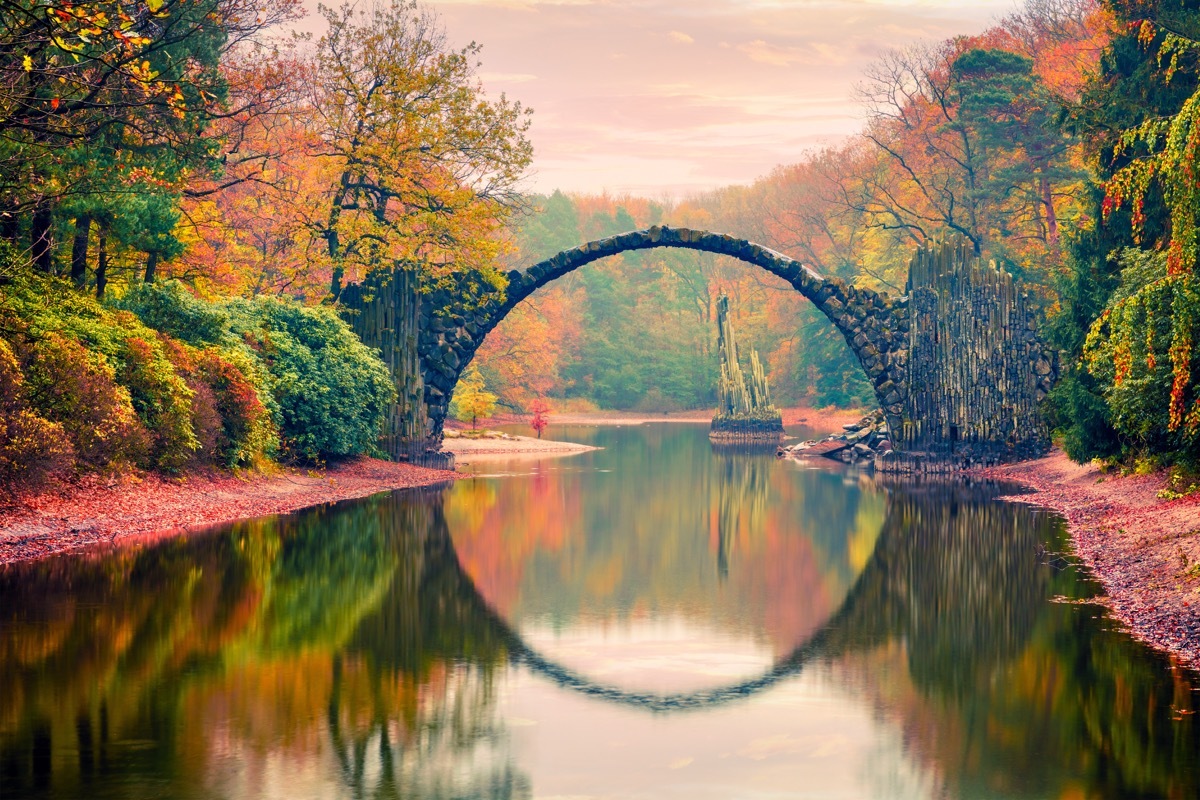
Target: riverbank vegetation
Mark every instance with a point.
(963, 137)
(161, 380)
(1061, 143)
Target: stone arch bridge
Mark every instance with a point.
(955, 362)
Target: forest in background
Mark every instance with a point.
(963, 136)
(184, 193)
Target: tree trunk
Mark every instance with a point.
(335, 284)
(101, 264)
(79, 249)
(42, 237)
(151, 266)
(1048, 202)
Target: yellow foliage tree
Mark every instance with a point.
(471, 398)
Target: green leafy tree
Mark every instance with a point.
(108, 100)
(1010, 114)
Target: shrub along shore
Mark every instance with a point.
(162, 381)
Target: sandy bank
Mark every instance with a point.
(1145, 550)
(508, 445)
(91, 511)
(823, 420)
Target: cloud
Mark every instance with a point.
(813, 54)
(630, 95)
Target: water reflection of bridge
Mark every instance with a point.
(376, 590)
(938, 570)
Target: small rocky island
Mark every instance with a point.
(744, 409)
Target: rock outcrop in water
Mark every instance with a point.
(744, 408)
(860, 443)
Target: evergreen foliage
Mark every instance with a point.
(326, 391)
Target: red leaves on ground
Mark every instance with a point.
(98, 510)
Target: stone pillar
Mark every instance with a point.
(384, 311)
(976, 369)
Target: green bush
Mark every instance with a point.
(231, 422)
(327, 393)
(168, 380)
(77, 388)
(332, 391)
(90, 365)
(162, 399)
(168, 307)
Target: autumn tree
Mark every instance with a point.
(539, 408)
(104, 109)
(471, 399)
(1132, 310)
(421, 166)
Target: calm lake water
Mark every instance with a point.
(658, 619)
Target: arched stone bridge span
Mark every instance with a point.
(956, 363)
(874, 325)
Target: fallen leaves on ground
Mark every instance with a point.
(98, 509)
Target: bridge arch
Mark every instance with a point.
(874, 325)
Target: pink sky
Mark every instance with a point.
(664, 97)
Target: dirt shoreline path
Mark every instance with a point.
(1144, 550)
(89, 513)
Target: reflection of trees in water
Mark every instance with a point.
(743, 493)
(957, 579)
(449, 745)
(115, 669)
(1005, 694)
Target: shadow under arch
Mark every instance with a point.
(874, 325)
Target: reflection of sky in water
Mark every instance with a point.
(678, 570)
(659, 526)
(663, 655)
(805, 738)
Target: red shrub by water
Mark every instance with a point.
(78, 390)
(31, 447)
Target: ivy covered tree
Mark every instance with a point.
(1131, 313)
